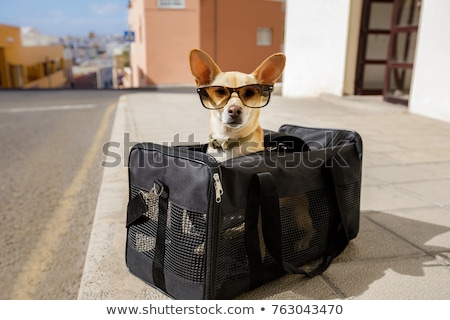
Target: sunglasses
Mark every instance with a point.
(252, 96)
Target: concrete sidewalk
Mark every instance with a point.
(403, 247)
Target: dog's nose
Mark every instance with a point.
(235, 111)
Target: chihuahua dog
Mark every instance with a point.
(234, 99)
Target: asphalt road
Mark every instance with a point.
(50, 174)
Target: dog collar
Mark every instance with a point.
(227, 144)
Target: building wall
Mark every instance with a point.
(352, 46)
(138, 49)
(316, 47)
(31, 55)
(54, 80)
(171, 34)
(226, 29)
(29, 67)
(105, 78)
(208, 27)
(41, 67)
(430, 94)
(86, 81)
(9, 38)
(232, 39)
(164, 37)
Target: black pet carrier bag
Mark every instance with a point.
(199, 229)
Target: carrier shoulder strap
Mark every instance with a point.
(263, 197)
(160, 244)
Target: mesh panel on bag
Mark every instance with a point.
(232, 257)
(305, 220)
(185, 239)
(352, 198)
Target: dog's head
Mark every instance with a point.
(234, 97)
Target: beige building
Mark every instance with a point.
(237, 34)
(30, 67)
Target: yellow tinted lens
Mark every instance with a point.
(251, 96)
(206, 99)
(215, 97)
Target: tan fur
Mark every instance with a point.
(207, 72)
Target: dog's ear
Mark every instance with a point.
(203, 67)
(270, 69)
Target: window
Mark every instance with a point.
(264, 37)
(46, 68)
(33, 72)
(171, 4)
(16, 74)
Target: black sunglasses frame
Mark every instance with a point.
(265, 88)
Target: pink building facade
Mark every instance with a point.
(238, 34)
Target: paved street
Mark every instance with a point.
(50, 176)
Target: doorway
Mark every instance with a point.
(401, 52)
(375, 30)
(387, 42)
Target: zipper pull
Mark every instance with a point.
(218, 187)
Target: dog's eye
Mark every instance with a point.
(249, 93)
(220, 92)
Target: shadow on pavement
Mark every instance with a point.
(385, 243)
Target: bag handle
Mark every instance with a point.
(263, 195)
(160, 244)
(137, 207)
